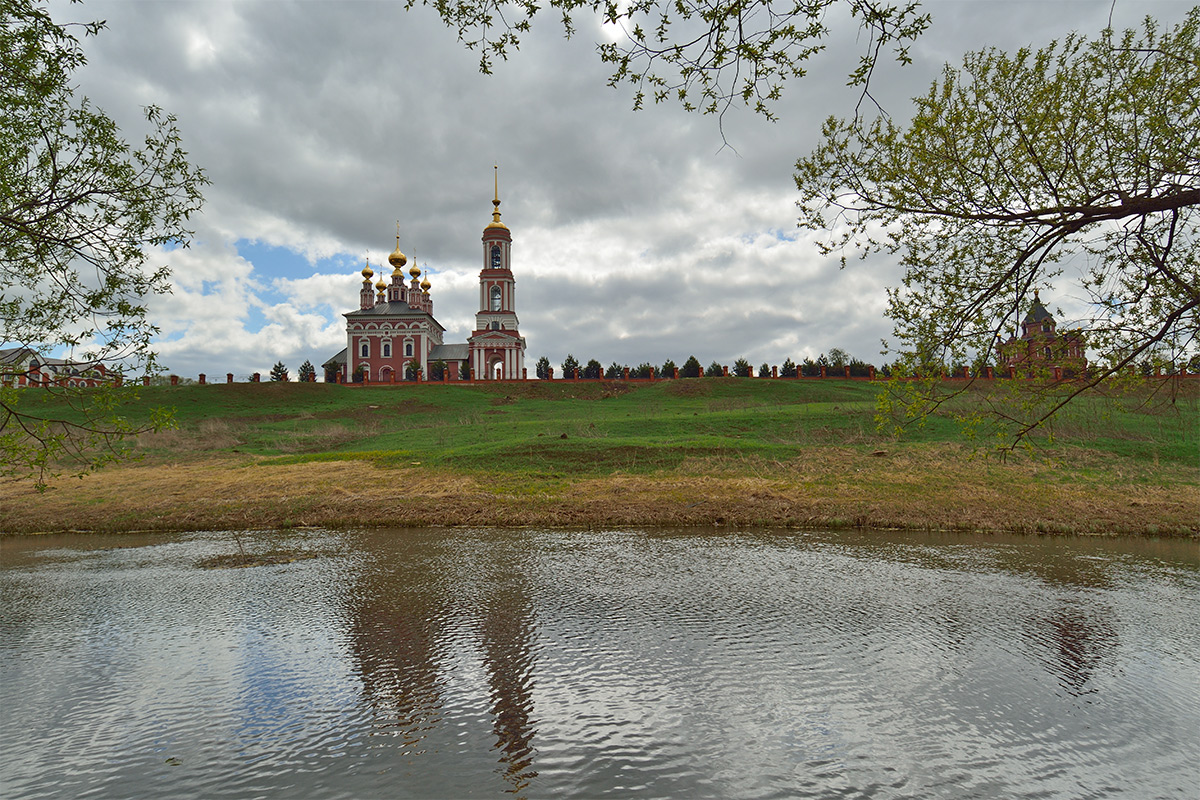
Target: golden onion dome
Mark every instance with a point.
(367, 272)
(415, 271)
(381, 285)
(425, 284)
(397, 259)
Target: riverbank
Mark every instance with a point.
(928, 488)
(705, 453)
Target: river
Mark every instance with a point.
(540, 663)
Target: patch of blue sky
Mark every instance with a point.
(778, 234)
(271, 261)
(254, 319)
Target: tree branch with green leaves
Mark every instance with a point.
(707, 55)
(1082, 157)
(79, 209)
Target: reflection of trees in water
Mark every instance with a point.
(1076, 643)
(508, 634)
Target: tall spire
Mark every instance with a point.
(496, 223)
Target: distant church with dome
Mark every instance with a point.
(1042, 347)
(393, 336)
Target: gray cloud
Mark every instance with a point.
(638, 236)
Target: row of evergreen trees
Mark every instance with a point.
(308, 373)
(836, 362)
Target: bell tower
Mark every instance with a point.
(497, 350)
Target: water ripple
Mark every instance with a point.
(436, 663)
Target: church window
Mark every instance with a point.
(495, 256)
(495, 298)
(387, 349)
(408, 349)
(495, 326)
(364, 350)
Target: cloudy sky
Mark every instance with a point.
(638, 236)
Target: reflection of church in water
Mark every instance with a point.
(393, 336)
(429, 616)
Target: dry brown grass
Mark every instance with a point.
(939, 487)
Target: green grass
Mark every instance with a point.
(557, 429)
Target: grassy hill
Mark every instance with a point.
(701, 451)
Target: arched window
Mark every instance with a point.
(495, 298)
(1047, 352)
(495, 326)
(364, 350)
(387, 349)
(408, 349)
(495, 256)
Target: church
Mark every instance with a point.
(1041, 347)
(393, 336)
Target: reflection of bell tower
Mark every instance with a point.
(497, 349)
(508, 642)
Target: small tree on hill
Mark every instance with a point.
(809, 368)
(742, 368)
(668, 369)
(543, 368)
(593, 369)
(714, 370)
(279, 372)
(764, 370)
(643, 370)
(437, 370)
(691, 368)
(412, 371)
(307, 373)
(615, 371)
(570, 366)
(788, 370)
(838, 358)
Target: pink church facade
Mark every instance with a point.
(394, 336)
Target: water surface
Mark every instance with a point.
(497, 663)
